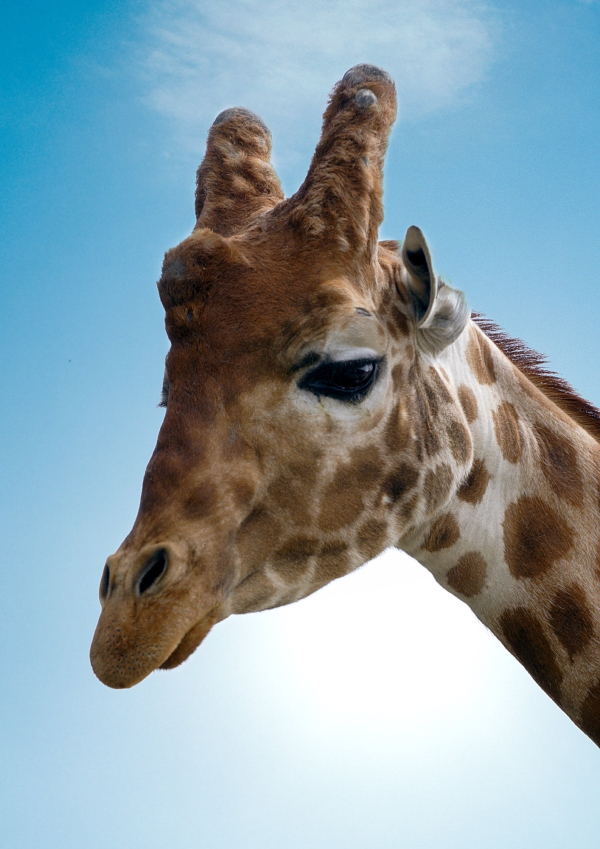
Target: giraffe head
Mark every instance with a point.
(307, 425)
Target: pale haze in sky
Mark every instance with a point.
(379, 712)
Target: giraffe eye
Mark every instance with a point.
(349, 381)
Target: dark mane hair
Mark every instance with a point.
(533, 365)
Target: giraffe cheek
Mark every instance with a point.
(256, 592)
(259, 536)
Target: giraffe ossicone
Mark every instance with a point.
(328, 396)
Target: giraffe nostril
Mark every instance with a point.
(105, 582)
(155, 567)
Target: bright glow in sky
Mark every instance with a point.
(377, 712)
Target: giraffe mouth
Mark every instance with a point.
(191, 639)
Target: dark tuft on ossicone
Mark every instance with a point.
(365, 74)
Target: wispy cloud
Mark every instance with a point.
(280, 59)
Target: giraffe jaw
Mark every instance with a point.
(192, 639)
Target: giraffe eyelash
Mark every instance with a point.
(349, 381)
(164, 392)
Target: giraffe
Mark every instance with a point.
(328, 396)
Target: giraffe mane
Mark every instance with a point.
(533, 365)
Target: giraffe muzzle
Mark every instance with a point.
(152, 614)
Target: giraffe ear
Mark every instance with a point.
(441, 313)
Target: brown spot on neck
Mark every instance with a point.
(475, 485)
(438, 386)
(437, 486)
(398, 377)
(480, 358)
(427, 409)
(525, 636)
(468, 402)
(508, 436)
(535, 537)
(443, 533)
(397, 429)
(400, 480)
(571, 619)
(469, 574)
(559, 465)
(460, 441)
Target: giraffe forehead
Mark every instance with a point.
(263, 286)
(244, 322)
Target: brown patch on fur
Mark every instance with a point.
(291, 559)
(332, 562)
(398, 377)
(437, 486)
(468, 402)
(469, 574)
(200, 501)
(590, 713)
(372, 538)
(243, 491)
(397, 430)
(166, 473)
(439, 386)
(367, 464)
(535, 537)
(292, 493)
(407, 507)
(479, 357)
(460, 441)
(443, 533)
(475, 485)
(433, 398)
(254, 593)
(400, 322)
(343, 500)
(426, 410)
(402, 478)
(508, 436)
(571, 619)
(559, 465)
(524, 634)
(258, 537)
(532, 365)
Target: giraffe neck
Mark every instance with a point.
(519, 539)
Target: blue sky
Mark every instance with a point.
(295, 728)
